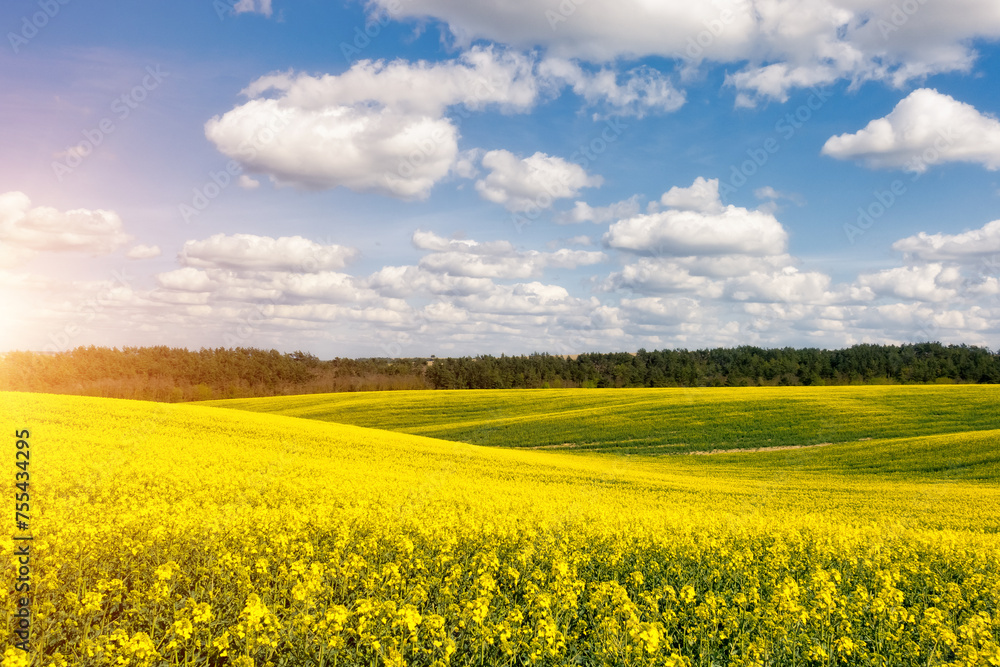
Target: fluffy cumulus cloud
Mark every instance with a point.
(930, 282)
(378, 127)
(531, 183)
(26, 230)
(925, 128)
(786, 286)
(975, 246)
(263, 253)
(726, 257)
(779, 44)
(700, 226)
(701, 196)
(383, 126)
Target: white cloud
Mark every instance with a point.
(186, 280)
(25, 230)
(776, 80)
(703, 227)
(779, 44)
(597, 30)
(253, 7)
(767, 192)
(248, 182)
(599, 215)
(529, 265)
(787, 286)
(263, 253)
(925, 128)
(655, 275)
(224, 286)
(701, 196)
(531, 299)
(405, 281)
(930, 282)
(466, 165)
(912, 322)
(664, 310)
(729, 266)
(643, 90)
(377, 127)
(362, 149)
(533, 182)
(143, 252)
(495, 260)
(733, 278)
(967, 247)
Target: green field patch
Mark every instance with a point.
(636, 420)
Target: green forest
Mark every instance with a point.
(176, 374)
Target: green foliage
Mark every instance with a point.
(733, 367)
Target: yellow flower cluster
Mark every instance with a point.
(188, 535)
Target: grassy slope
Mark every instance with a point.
(656, 420)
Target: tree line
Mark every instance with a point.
(177, 374)
(724, 367)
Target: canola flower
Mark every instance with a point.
(188, 535)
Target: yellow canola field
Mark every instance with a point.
(189, 535)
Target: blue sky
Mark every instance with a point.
(486, 177)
